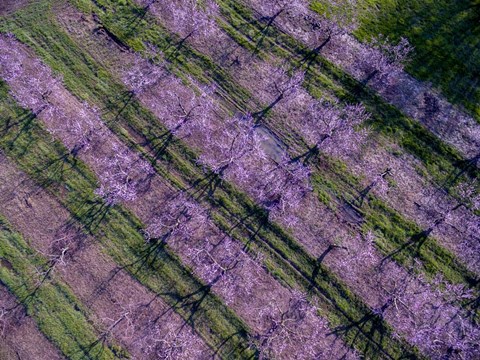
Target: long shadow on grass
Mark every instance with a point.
(12, 122)
(416, 240)
(159, 146)
(371, 324)
(93, 213)
(54, 170)
(318, 264)
(119, 104)
(25, 123)
(96, 348)
(206, 186)
(467, 166)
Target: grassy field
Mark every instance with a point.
(446, 37)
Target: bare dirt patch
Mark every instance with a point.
(9, 6)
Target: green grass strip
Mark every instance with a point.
(445, 34)
(53, 306)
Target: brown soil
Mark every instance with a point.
(10, 6)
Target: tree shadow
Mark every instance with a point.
(93, 214)
(254, 221)
(318, 264)
(96, 349)
(102, 286)
(177, 47)
(25, 124)
(416, 240)
(259, 116)
(138, 14)
(11, 122)
(119, 104)
(54, 170)
(261, 219)
(159, 145)
(370, 325)
(362, 194)
(264, 31)
(228, 338)
(25, 300)
(466, 166)
(311, 154)
(191, 304)
(151, 256)
(207, 185)
(311, 56)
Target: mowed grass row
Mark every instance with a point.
(49, 164)
(446, 37)
(355, 321)
(395, 230)
(57, 312)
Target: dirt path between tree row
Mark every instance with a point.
(9, 6)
